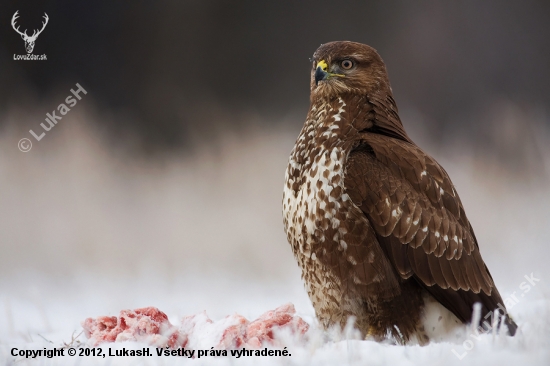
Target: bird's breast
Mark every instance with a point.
(314, 201)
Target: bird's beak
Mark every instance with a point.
(321, 73)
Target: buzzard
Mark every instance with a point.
(375, 223)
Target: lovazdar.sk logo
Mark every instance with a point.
(29, 40)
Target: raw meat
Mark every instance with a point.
(150, 325)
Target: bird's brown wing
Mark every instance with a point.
(420, 222)
(364, 264)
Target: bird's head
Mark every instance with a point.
(345, 67)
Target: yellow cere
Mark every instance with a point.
(323, 65)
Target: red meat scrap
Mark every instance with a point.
(227, 333)
(235, 331)
(146, 325)
(198, 331)
(283, 318)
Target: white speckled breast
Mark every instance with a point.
(314, 171)
(314, 203)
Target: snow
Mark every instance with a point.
(88, 233)
(322, 348)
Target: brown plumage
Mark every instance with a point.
(374, 222)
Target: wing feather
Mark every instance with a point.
(419, 221)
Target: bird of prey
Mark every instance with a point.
(374, 222)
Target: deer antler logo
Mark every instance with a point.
(29, 40)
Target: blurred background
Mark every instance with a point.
(163, 185)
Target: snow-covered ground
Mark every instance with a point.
(87, 230)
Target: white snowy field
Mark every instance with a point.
(88, 230)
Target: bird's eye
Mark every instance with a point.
(346, 64)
